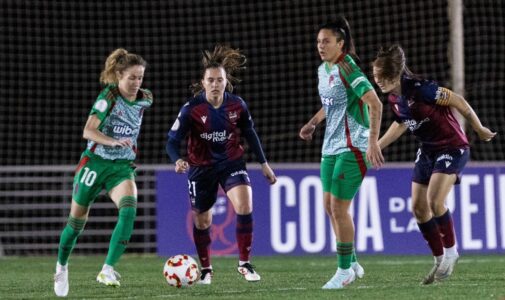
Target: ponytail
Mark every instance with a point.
(118, 61)
(391, 63)
(342, 30)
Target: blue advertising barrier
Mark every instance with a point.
(289, 217)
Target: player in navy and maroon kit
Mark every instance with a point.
(424, 107)
(214, 120)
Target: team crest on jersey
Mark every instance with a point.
(232, 115)
(204, 119)
(331, 81)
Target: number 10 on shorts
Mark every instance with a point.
(89, 176)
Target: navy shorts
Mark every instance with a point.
(203, 182)
(450, 161)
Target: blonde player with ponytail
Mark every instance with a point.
(112, 131)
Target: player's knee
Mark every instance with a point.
(202, 220)
(438, 208)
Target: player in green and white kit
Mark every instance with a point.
(350, 140)
(112, 130)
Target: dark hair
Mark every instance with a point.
(391, 63)
(118, 61)
(223, 56)
(340, 27)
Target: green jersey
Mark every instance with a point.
(120, 119)
(347, 121)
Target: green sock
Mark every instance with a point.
(344, 254)
(123, 230)
(68, 238)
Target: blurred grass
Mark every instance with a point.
(288, 277)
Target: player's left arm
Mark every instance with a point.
(246, 126)
(446, 97)
(374, 153)
(362, 87)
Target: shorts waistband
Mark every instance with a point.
(118, 161)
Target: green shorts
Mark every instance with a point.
(342, 174)
(94, 173)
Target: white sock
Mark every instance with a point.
(453, 251)
(106, 267)
(241, 262)
(60, 268)
(343, 270)
(438, 259)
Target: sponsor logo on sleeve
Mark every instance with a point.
(101, 105)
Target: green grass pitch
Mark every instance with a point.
(283, 277)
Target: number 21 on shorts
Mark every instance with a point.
(192, 188)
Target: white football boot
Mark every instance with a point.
(341, 279)
(446, 267)
(206, 276)
(247, 270)
(109, 277)
(358, 269)
(61, 280)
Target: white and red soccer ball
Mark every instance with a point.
(181, 270)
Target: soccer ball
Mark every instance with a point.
(181, 270)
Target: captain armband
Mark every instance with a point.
(442, 96)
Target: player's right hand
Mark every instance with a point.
(123, 143)
(306, 131)
(485, 134)
(181, 166)
(268, 173)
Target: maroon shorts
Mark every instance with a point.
(451, 161)
(203, 182)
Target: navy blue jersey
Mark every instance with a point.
(213, 133)
(433, 125)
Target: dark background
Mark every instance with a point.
(52, 52)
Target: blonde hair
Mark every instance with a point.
(223, 56)
(118, 61)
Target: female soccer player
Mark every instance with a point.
(350, 133)
(424, 107)
(112, 130)
(214, 121)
